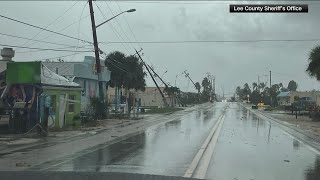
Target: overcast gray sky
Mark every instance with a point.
(232, 63)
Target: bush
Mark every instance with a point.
(94, 110)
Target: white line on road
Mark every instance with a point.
(195, 162)
(202, 168)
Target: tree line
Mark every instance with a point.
(199, 97)
(261, 93)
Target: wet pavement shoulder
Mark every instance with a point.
(297, 132)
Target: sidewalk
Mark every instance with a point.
(60, 146)
(13, 142)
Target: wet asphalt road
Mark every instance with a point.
(166, 149)
(251, 148)
(247, 148)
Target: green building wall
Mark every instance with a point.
(71, 118)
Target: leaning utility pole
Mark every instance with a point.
(163, 98)
(158, 76)
(167, 85)
(187, 75)
(96, 52)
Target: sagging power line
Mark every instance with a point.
(38, 27)
(43, 49)
(47, 42)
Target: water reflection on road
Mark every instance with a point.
(248, 148)
(252, 148)
(313, 172)
(166, 149)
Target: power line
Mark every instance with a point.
(66, 48)
(51, 23)
(134, 37)
(59, 56)
(124, 17)
(79, 24)
(47, 42)
(112, 63)
(44, 49)
(21, 22)
(64, 28)
(118, 35)
(119, 24)
(215, 41)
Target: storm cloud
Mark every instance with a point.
(233, 63)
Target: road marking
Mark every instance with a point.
(195, 162)
(202, 168)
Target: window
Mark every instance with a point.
(71, 103)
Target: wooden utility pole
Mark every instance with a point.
(187, 75)
(163, 98)
(98, 65)
(167, 85)
(158, 76)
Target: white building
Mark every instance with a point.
(151, 97)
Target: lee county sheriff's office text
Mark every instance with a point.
(268, 8)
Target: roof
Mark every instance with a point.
(83, 69)
(283, 94)
(50, 78)
(35, 73)
(64, 68)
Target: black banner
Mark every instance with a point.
(269, 8)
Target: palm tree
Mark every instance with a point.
(262, 86)
(172, 92)
(254, 86)
(314, 63)
(198, 87)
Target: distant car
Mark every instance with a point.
(261, 104)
